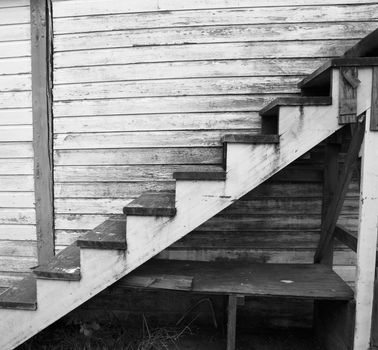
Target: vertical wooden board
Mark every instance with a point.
(348, 95)
(42, 130)
(231, 321)
(331, 172)
(367, 232)
(374, 102)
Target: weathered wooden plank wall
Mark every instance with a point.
(17, 214)
(143, 88)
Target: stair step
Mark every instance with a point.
(247, 138)
(152, 204)
(271, 110)
(366, 47)
(322, 76)
(219, 175)
(111, 234)
(64, 266)
(302, 281)
(21, 295)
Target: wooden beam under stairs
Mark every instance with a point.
(337, 201)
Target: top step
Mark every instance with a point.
(366, 47)
(364, 53)
(322, 76)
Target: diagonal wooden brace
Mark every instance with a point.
(337, 201)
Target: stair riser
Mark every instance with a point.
(247, 167)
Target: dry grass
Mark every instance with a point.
(111, 336)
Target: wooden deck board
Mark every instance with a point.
(109, 235)
(272, 108)
(219, 175)
(248, 138)
(322, 75)
(64, 266)
(21, 295)
(152, 204)
(303, 281)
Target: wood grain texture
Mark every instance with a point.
(114, 130)
(22, 295)
(212, 17)
(348, 95)
(42, 128)
(146, 54)
(331, 172)
(268, 280)
(190, 69)
(111, 234)
(18, 249)
(64, 266)
(336, 203)
(213, 34)
(231, 321)
(152, 204)
(83, 8)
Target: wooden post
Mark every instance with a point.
(42, 128)
(337, 201)
(231, 322)
(331, 172)
(374, 102)
(367, 238)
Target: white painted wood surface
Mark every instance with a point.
(17, 215)
(196, 201)
(368, 224)
(143, 88)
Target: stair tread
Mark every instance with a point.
(248, 138)
(304, 281)
(322, 74)
(366, 47)
(21, 295)
(152, 204)
(111, 234)
(64, 266)
(271, 109)
(200, 175)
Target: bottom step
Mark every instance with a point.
(302, 281)
(21, 295)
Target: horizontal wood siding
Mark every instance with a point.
(144, 88)
(17, 214)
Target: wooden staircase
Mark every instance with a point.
(155, 220)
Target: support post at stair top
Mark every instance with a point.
(231, 321)
(331, 172)
(348, 95)
(337, 201)
(374, 102)
(367, 239)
